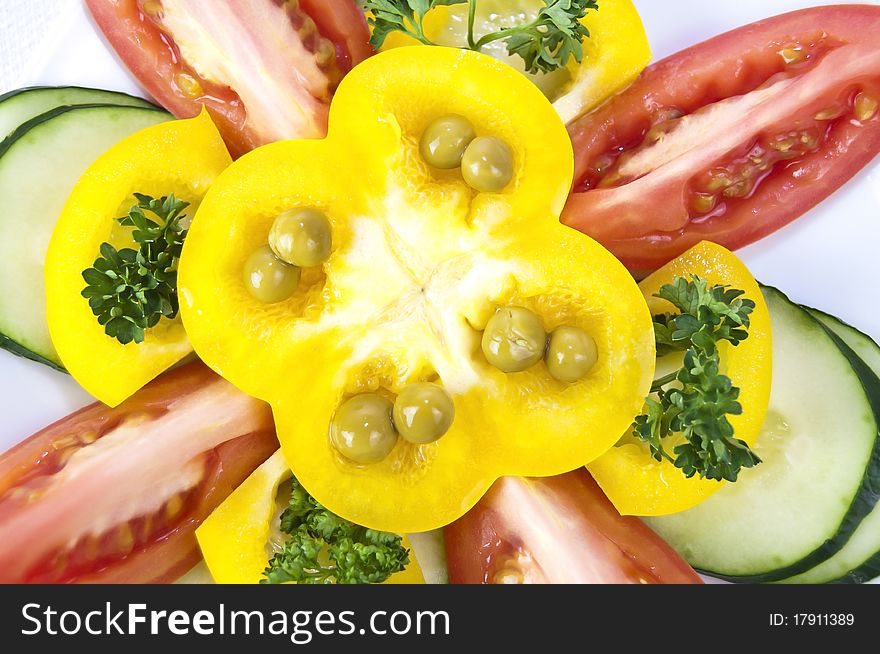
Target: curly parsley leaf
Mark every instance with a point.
(400, 16)
(696, 400)
(551, 40)
(298, 561)
(548, 42)
(323, 548)
(131, 290)
(708, 315)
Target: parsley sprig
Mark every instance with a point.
(548, 42)
(131, 290)
(323, 548)
(695, 400)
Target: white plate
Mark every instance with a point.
(826, 259)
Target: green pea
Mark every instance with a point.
(514, 339)
(268, 278)
(487, 164)
(423, 412)
(301, 237)
(571, 354)
(362, 429)
(444, 141)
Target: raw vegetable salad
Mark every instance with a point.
(407, 291)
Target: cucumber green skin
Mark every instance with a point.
(6, 342)
(12, 347)
(29, 89)
(870, 568)
(75, 95)
(866, 572)
(866, 496)
(25, 127)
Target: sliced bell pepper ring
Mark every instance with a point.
(616, 51)
(235, 538)
(635, 482)
(614, 55)
(182, 157)
(419, 264)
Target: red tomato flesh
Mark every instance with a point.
(265, 69)
(557, 530)
(343, 22)
(115, 495)
(732, 138)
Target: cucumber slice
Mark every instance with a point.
(429, 548)
(859, 560)
(17, 107)
(820, 470)
(40, 162)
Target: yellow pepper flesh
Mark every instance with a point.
(183, 157)
(234, 539)
(614, 55)
(616, 51)
(634, 481)
(419, 264)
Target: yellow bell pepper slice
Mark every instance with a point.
(634, 481)
(614, 54)
(419, 264)
(183, 157)
(234, 539)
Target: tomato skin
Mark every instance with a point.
(152, 57)
(43, 508)
(646, 221)
(557, 530)
(166, 560)
(148, 56)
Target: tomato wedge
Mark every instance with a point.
(557, 530)
(730, 139)
(115, 495)
(264, 69)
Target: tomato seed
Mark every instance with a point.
(784, 145)
(124, 539)
(810, 141)
(152, 8)
(146, 528)
(19, 494)
(702, 203)
(829, 114)
(609, 180)
(188, 85)
(88, 437)
(173, 507)
(865, 106)
(307, 29)
(669, 114)
(90, 548)
(793, 55)
(325, 55)
(739, 190)
(658, 131)
(64, 442)
(718, 180)
(508, 576)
